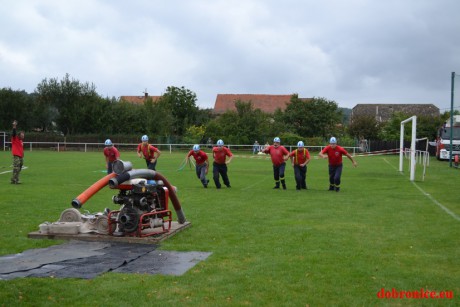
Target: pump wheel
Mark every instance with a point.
(70, 215)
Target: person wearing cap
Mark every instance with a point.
(149, 152)
(17, 149)
(334, 153)
(219, 166)
(201, 163)
(111, 154)
(279, 155)
(300, 157)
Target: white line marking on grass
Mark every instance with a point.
(10, 171)
(252, 185)
(430, 197)
(390, 164)
(437, 203)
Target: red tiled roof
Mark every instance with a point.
(266, 103)
(138, 99)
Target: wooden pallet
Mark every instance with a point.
(154, 239)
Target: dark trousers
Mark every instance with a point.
(335, 172)
(201, 173)
(109, 167)
(151, 165)
(278, 174)
(220, 169)
(300, 173)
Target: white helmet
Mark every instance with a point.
(220, 143)
(300, 144)
(333, 140)
(144, 138)
(277, 140)
(196, 147)
(108, 142)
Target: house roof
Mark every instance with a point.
(383, 112)
(140, 100)
(266, 103)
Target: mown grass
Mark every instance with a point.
(269, 247)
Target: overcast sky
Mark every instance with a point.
(349, 51)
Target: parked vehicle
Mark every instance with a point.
(443, 140)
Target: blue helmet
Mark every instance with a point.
(333, 140)
(220, 143)
(196, 147)
(108, 142)
(277, 140)
(300, 144)
(144, 138)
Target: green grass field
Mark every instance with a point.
(269, 247)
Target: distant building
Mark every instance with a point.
(139, 100)
(383, 112)
(265, 103)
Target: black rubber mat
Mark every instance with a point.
(80, 259)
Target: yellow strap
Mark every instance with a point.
(296, 152)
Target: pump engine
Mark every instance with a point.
(144, 206)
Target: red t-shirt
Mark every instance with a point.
(147, 150)
(277, 154)
(111, 153)
(200, 156)
(334, 154)
(17, 147)
(300, 156)
(219, 154)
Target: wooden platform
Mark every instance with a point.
(154, 239)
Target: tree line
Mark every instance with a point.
(69, 107)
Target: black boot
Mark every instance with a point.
(283, 183)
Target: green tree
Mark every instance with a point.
(427, 126)
(181, 102)
(159, 119)
(364, 126)
(194, 134)
(125, 117)
(243, 126)
(73, 101)
(16, 105)
(316, 117)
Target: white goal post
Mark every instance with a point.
(412, 146)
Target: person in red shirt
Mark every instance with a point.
(17, 149)
(201, 165)
(111, 154)
(149, 152)
(219, 166)
(334, 153)
(300, 157)
(279, 154)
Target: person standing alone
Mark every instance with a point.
(300, 157)
(334, 153)
(279, 154)
(17, 149)
(219, 166)
(149, 152)
(111, 154)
